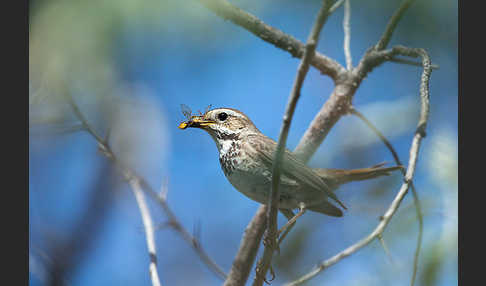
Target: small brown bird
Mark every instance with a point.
(246, 157)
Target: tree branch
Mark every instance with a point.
(149, 230)
(347, 34)
(392, 24)
(336, 106)
(271, 35)
(336, 5)
(302, 70)
(414, 150)
(411, 63)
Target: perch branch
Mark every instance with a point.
(302, 70)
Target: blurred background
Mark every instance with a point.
(130, 65)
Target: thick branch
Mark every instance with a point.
(336, 106)
(414, 150)
(289, 112)
(271, 35)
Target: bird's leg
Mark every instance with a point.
(291, 221)
(289, 214)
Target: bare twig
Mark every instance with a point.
(336, 5)
(385, 248)
(392, 24)
(164, 189)
(271, 35)
(414, 150)
(130, 175)
(412, 63)
(302, 70)
(149, 230)
(347, 34)
(416, 200)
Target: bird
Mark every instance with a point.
(246, 156)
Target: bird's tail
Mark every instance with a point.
(339, 176)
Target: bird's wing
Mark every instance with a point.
(291, 166)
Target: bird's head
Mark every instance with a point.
(222, 124)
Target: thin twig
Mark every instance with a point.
(302, 70)
(272, 35)
(131, 175)
(392, 24)
(336, 5)
(412, 63)
(385, 248)
(414, 150)
(149, 230)
(347, 34)
(416, 201)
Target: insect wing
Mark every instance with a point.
(186, 110)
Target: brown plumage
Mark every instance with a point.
(246, 157)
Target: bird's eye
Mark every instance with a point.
(222, 116)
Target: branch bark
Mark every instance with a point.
(347, 34)
(149, 230)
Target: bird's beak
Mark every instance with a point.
(197, 122)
